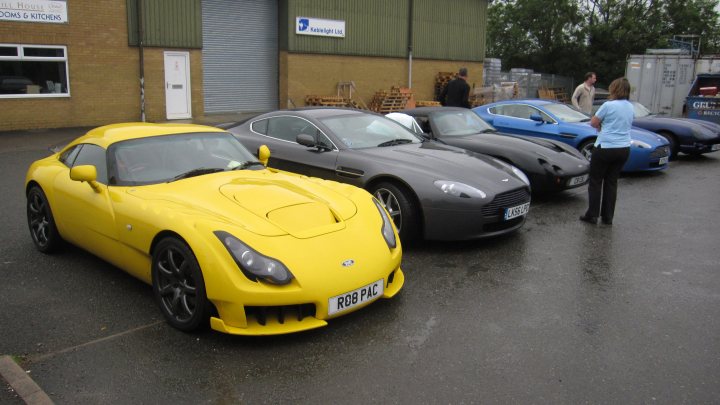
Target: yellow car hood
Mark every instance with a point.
(264, 203)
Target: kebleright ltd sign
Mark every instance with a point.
(320, 27)
(39, 11)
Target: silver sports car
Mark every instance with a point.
(430, 189)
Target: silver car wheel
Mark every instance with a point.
(391, 204)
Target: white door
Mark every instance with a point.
(177, 85)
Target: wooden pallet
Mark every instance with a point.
(553, 93)
(441, 80)
(427, 103)
(385, 102)
(331, 101)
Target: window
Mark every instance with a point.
(288, 128)
(94, 155)
(33, 71)
(260, 126)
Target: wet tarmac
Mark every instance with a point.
(559, 312)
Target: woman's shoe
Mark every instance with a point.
(589, 220)
(607, 221)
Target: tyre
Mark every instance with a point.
(673, 143)
(178, 286)
(399, 204)
(587, 147)
(41, 222)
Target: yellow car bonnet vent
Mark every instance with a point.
(306, 220)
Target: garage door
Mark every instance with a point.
(240, 62)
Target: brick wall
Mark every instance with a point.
(305, 74)
(103, 71)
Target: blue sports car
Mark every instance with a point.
(558, 121)
(686, 135)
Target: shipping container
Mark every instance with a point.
(662, 78)
(661, 82)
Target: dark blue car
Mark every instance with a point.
(553, 120)
(686, 135)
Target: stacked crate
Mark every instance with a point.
(441, 80)
(396, 99)
(492, 71)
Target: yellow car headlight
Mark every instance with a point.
(254, 264)
(387, 230)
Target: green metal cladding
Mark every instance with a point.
(447, 30)
(168, 23)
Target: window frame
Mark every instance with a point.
(22, 58)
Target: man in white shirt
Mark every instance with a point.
(584, 94)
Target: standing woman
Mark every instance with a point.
(613, 121)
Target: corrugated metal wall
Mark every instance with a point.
(240, 55)
(447, 30)
(372, 27)
(168, 23)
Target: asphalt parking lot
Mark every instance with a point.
(559, 312)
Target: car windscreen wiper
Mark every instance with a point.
(196, 172)
(246, 164)
(394, 142)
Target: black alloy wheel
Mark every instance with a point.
(41, 222)
(399, 205)
(178, 285)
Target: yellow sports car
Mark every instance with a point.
(220, 237)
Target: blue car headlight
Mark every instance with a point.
(458, 189)
(253, 264)
(387, 230)
(640, 144)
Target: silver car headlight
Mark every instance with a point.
(253, 264)
(640, 144)
(457, 189)
(387, 229)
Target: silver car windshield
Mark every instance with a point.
(640, 110)
(459, 123)
(165, 158)
(368, 131)
(565, 113)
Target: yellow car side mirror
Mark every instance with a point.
(85, 173)
(264, 154)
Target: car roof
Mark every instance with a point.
(531, 101)
(427, 110)
(106, 135)
(318, 112)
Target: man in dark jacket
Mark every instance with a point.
(457, 91)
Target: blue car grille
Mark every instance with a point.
(505, 200)
(660, 152)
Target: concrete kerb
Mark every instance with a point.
(23, 385)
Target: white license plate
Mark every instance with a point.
(574, 181)
(514, 212)
(349, 300)
(715, 146)
(663, 160)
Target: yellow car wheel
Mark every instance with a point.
(178, 285)
(41, 222)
